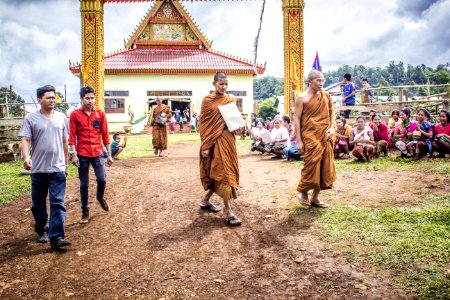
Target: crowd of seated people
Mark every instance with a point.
(408, 136)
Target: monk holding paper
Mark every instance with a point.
(314, 127)
(160, 118)
(219, 168)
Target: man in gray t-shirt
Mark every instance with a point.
(46, 132)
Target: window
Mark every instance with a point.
(117, 94)
(235, 93)
(169, 93)
(239, 104)
(114, 105)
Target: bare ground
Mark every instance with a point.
(156, 244)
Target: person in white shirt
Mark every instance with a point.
(258, 134)
(279, 139)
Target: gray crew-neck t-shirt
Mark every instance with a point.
(47, 146)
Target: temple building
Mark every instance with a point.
(169, 56)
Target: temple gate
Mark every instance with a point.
(92, 52)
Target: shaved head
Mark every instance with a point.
(313, 74)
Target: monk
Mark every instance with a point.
(160, 118)
(219, 168)
(314, 127)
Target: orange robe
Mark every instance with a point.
(318, 171)
(220, 171)
(159, 133)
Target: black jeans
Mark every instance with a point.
(347, 111)
(98, 163)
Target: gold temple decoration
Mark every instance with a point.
(92, 44)
(92, 40)
(293, 51)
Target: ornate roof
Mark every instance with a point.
(174, 61)
(168, 41)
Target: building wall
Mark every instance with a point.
(138, 85)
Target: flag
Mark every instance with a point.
(316, 64)
(58, 99)
(293, 74)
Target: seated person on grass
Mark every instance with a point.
(403, 131)
(380, 135)
(255, 134)
(343, 132)
(420, 147)
(361, 138)
(280, 139)
(116, 147)
(441, 141)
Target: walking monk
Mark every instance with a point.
(314, 127)
(219, 168)
(160, 119)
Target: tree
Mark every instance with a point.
(267, 108)
(8, 95)
(268, 86)
(62, 106)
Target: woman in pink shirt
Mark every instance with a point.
(380, 135)
(441, 141)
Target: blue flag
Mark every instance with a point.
(316, 64)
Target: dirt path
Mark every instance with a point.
(156, 244)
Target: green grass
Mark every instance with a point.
(13, 183)
(413, 243)
(438, 165)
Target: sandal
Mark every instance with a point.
(210, 207)
(319, 205)
(233, 221)
(303, 201)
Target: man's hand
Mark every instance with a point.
(75, 160)
(205, 153)
(27, 164)
(110, 160)
(67, 170)
(330, 132)
(300, 146)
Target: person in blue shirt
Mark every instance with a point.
(349, 94)
(116, 147)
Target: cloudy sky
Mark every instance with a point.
(39, 37)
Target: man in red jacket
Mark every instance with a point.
(88, 134)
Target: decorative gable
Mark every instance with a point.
(167, 24)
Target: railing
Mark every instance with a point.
(386, 104)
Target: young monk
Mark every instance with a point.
(219, 168)
(362, 139)
(442, 130)
(159, 131)
(314, 126)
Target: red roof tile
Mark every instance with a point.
(169, 60)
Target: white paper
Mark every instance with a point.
(232, 116)
(265, 137)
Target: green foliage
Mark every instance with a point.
(14, 110)
(63, 106)
(267, 109)
(413, 242)
(267, 87)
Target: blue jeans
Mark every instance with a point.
(98, 163)
(53, 184)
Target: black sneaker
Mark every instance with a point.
(103, 204)
(59, 244)
(84, 217)
(43, 238)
